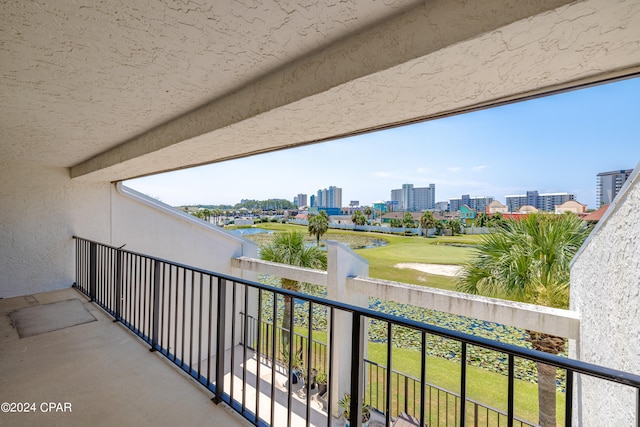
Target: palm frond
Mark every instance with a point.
(527, 260)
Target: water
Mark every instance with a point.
(249, 231)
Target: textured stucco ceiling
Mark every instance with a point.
(80, 77)
(114, 91)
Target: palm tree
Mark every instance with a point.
(368, 212)
(455, 225)
(427, 221)
(497, 220)
(395, 223)
(358, 218)
(290, 248)
(408, 220)
(206, 214)
(528, 261)
(482, 220)
(318, 225)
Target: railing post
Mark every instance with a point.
(357, 361)
(568, 415)
(156, 305)
(118, 297)
(93, 273)
(463, 385)
(510, 391)
(406, 394)
(475, 414)
(220, 339)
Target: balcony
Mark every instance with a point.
(93, 370)
(184, 315)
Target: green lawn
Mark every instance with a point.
(483, 386)
(433, 250)
(400, 249)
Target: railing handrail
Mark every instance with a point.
(576, 366)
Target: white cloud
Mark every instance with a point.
(479, 168)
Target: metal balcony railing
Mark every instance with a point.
(406, 389)
(194, 318)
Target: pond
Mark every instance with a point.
(354, 241)
(250, 231)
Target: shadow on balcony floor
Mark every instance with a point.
(74, 371)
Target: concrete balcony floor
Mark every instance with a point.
(94, 371)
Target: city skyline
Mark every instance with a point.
(551, 144)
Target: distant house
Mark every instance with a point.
(516, 216)
(467, 215)
(380, 207)
(596, 215)
(527, 209)
(571, 206)
(495, 207)
(386, 218)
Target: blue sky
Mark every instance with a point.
(552, 144)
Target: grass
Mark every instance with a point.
(401, 249)
(483, 386)
(437, 250)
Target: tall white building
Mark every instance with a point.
(609, 184)
(329, 197)
(300, 200)
(410, 198)
(424, 198)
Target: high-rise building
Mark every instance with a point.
(329, 198)
(441, 206)
(424, 198)
(396, 197)
(409, 198)
(544, 202)
(300, 200)
(477, 203)
(609, 184)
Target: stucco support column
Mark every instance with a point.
(341, 264)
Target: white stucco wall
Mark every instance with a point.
(151, 227)
(605, 289)
(42, 209)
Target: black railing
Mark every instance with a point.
(192, 317)
(319, 349)
(441, 404)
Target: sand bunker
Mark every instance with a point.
(438, 269)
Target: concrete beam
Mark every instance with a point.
(299, 274)
(564, 323)
(553, 321)
(211, 133)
